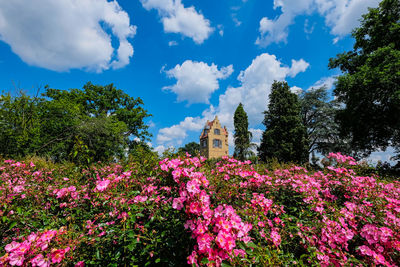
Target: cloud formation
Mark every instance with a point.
(328, 82)
(179, 19)
(340, 15)
(196, 81)
(255, 86)
(67, 34)
(177, 133)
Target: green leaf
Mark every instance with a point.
(252, 245)
(12, 225)
(204, 261)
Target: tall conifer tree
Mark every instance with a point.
(242, 135)
(285, 135)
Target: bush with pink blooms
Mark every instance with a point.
(191, 211)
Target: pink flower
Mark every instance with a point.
(192, 259)
(140, 199)
(177, 204)
(80, 264)
(16, 259)
(57, 255)
(193, 187)
(379, 259)
(364, 250)
(48, 235)
(23, 248)
(195, 208)
(39, 261)
(239, 252)
(225, 241)
(101, 186)
(71, 188)
(204, 242)
(12, 246)
(385, 234)
(276, 238)
(32, 237)
(18, 189)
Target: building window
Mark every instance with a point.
(217, 143)
(217, 132)
(204, 143)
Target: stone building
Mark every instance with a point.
(214, 140)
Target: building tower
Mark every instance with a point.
(214, 140)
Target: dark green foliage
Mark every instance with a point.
(285, 135)
(370, 85)
(98, 123)
(19, 124)
(242, 134)
(318, 116)
(192, 148)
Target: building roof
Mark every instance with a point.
(209, 125)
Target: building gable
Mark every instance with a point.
(214, 140)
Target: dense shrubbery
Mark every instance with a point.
(189, 210)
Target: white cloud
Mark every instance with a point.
(343, 15)
(67, 34)
(179, 19)
(172, 43)
(308, 29)
(253, 92)
(296, 90)
(382, 156)
(175, 134)
(297, 67)
(328, 82)
(340, 15)
(236, 20)
(160, 149)
(220, 30)
(257, 134)
(196, 81)
(255, 88)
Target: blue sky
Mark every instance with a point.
(188, 60)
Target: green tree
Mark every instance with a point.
(370, 85)
(242, 134)
(19, 124)
(101, 101)
(109, 125)
(285, 136)
(98, 123)
(192, 148)
(318, 116)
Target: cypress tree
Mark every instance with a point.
(285, 135)
(242, 135)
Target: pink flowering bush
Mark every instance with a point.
(191, 211)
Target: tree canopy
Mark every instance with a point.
(242, 135)
(96, 123)
(318, 116)
(285, 135)
(369, 88)
(191, 148)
